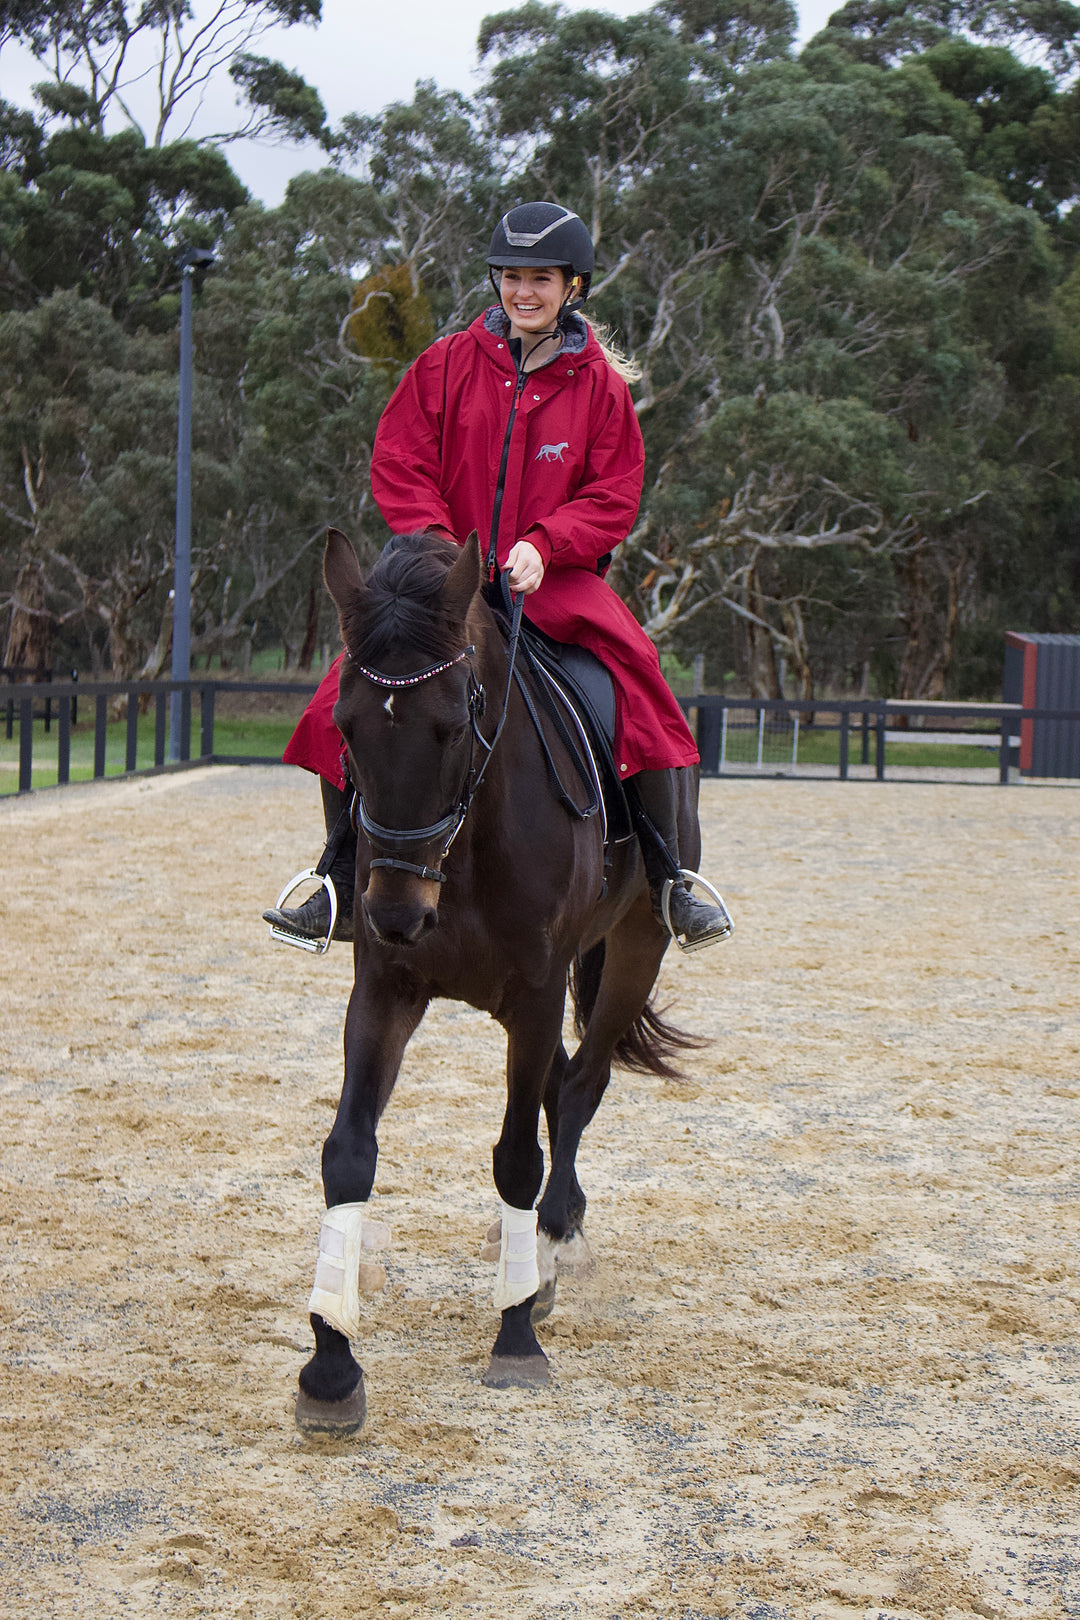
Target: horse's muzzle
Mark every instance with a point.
(401, 920)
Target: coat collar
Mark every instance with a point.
(491, 330)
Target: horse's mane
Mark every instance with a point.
(399, 608)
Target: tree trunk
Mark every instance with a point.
(763, 676)
(311, 632)
(798, 652)
(29, 640)
(919, 618)
(932, 624)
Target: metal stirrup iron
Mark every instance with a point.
(714, 938)
(321, 874)
(284, 936)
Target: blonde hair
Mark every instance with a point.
(624, 365)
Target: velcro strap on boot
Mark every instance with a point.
(518, 1276)
(341, 1274)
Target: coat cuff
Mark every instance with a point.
(538, 537)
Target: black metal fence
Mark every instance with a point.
(862, 725)
(131, 698)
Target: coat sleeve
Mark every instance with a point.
(600, 513)
(406, 459)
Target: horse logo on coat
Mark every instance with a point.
(552, 452)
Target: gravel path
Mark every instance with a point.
(827, 1366)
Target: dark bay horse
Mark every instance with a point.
(516, 908)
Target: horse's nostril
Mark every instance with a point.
(397, 925)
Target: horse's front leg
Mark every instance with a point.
(533, 1029)
(382, 1015)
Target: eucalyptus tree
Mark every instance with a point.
(145, 65)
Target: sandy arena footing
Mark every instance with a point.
(827, 1366)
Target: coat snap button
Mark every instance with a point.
(536, 396)
(507, 383)
(622, 767)
(569, 371)
(500, 345)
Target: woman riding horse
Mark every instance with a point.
(522, 427)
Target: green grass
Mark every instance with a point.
(264, 736)
(251, 735)
(823, 748)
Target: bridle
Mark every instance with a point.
(399, 841)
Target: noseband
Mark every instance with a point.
(400, 840)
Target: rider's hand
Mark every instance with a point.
(525, 568)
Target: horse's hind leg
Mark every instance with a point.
(633, 952)
(532, 1036)
(560, 1063)
(572, 1253)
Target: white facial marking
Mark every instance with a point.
(389, 707)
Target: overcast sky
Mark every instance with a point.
(360, 58)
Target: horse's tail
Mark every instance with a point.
(650, 1044)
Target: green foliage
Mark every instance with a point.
(850, 278)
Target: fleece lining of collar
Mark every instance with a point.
(575, 332)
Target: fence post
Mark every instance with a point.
(101, 713)
(185, 723)
(845, 729)
(866, 736)
(1003, 753)
(723, 737)
(760, 736)
(879, 748)
(26, 744)
(159, 730)
(63, 742)
(206, 712)
(132, 748)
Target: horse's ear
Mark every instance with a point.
(341, 569)
(463, 580)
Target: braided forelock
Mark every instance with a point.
(399, 608)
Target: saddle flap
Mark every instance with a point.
(589, 687)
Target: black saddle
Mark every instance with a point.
(564, 676)
(587, 688)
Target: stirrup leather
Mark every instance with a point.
(695, 878)
(283, 936)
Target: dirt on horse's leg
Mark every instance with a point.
(378, 1024)
(633, 952)
(533, 1029)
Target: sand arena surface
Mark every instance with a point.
(828, 1364)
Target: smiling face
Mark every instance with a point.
(532, 297)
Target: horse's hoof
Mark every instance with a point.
(544, 1303)
(334, 1420)
(517, 1372)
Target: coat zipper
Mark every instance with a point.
(500, 483)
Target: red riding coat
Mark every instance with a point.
(571, 487)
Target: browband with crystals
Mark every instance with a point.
(409, 680)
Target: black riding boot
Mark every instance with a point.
(694, 922)
(312, 919)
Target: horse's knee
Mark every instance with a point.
(518, 1172)
(348, 1168)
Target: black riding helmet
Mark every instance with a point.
(541, 233)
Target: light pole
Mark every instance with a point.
(192, 261)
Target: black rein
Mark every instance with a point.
(402, 839)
